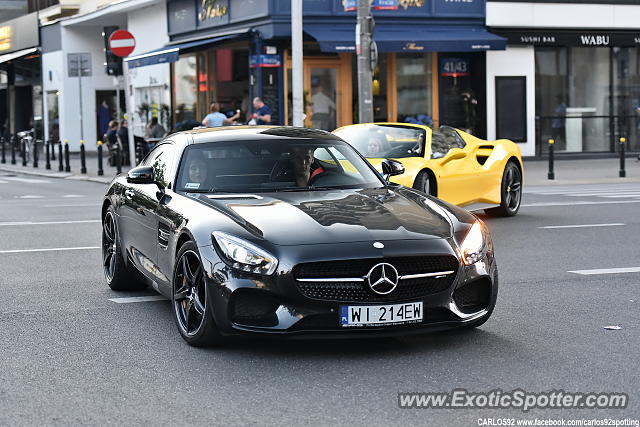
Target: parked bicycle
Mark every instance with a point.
(26, 137)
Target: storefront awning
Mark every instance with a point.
(410, 38)
(170, 53)
(19, 54)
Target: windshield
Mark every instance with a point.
(385, 141)
(273, 165)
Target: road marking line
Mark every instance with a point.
(17, 251)
(29, 196)
(607, 271)
(28, 180)
(129, 300)
(583, 225)
(48, 222)
(4, 182)
(69, 196)
(72, 206)
(533, 205)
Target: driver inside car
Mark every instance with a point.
(197, 174)
(301, 159)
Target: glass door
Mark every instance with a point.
(322, 83)
(327, 92)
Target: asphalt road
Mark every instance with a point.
(70, 356)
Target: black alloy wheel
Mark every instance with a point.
(118, 276)
(190, 300)
(109, 246)
(511, 192)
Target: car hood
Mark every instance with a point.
(336, 216)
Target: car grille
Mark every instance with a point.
(357, 291)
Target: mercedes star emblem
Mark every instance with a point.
(383, 278)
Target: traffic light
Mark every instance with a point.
(113, 64)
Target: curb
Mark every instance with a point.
(60, 175)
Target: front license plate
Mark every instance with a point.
(389, 314)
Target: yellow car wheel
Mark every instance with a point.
(510, 190)
(426, 182)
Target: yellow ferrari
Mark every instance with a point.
(445, 162)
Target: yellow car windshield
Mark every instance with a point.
(385, 141)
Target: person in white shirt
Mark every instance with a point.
(321, 109)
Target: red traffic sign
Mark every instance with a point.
(122, 43)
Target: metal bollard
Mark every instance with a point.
(23, 151)
(118, 159)
(53, 149)
(100, 170)
(551, 174)
(83, 159)
(4, 159)
(67, 166)
(623, 172)
(35, 153)
(47, 146)
(60, 166)
(13, 149)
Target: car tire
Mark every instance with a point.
(116, 272)
(425, 183)
(510, 192)
(190, 300)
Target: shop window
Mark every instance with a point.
(573, 98)
(627, 95)
(511, 108)
(413, 85)
(185, 90)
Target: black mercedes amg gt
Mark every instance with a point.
(290, 232)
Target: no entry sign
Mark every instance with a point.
(122, 43)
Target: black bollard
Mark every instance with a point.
(53, 149)
(23, 151)
(48, 151)
(4, 159)
(35, 153)
(100, 170)
(551, 174)
(60, 166)
(623, 172)
(13, 149)
(83, 159)
(118, 159)
(67, 166)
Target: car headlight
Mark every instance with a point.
(245, 256)
(474, 245)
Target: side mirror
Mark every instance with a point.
(141, 175)
(391, 167)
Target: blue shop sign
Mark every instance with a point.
(351, 5)
(265, 61)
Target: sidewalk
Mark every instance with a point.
(74, 163)
(584, 171)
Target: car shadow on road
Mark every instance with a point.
(365, 348)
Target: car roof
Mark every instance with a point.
(242, 133)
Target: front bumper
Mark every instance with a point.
(289, 313)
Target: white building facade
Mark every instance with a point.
(571, 73)
(71, 117)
